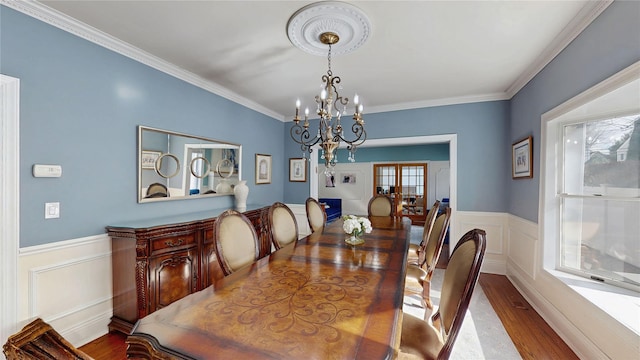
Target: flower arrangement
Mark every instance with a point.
(355, 226)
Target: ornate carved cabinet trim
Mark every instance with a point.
(155, 265)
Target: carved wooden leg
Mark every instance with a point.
(426, 299)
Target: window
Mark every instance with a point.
(599, 200)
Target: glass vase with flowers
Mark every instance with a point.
(355, 227)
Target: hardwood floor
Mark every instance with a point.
(531, 335)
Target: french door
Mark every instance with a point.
(406, 184)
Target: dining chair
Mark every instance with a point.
(380, 205)
(315, 215)
(157, 190)
(283, 225)
(434, 340)
(414, 249)
(418, 277)
(38, 340)
(236, 242)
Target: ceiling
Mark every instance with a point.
(419, 53)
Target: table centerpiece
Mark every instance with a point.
(355, 227)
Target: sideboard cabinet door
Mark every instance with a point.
(173, 276)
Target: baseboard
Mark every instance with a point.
(88, 330)
(494, 267)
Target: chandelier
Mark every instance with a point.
(329, 134)
(312, 29)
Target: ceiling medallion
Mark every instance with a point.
(347, 21)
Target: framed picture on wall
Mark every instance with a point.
(297, 170)
(522, 159)
(148, 159)
(263, 169)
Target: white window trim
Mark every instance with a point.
(619, 303)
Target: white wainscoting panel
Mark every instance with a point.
(495, 225)
(523, 244)
(69, 285)
(355, 195)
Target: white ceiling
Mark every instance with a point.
(420, 53)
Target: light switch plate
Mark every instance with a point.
(52, 210)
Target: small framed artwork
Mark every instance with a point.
(348, 178)
(297, 169)
(148, 159)
(263, 169)
(522, 159)
(330, 180)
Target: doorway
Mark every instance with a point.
(451, 139)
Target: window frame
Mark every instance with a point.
(551, 170)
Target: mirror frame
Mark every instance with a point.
(185, 170)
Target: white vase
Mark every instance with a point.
(241, 191)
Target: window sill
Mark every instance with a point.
(621, 304)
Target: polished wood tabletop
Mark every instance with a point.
(318, 298)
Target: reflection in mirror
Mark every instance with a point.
(180, 166)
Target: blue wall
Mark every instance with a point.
(80, 105)
(483, 148)
(609, 44)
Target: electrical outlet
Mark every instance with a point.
(52, 210)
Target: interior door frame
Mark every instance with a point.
(9, 202)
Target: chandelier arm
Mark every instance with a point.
(360, 133)
(303, 137)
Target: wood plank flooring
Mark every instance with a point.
(531, 335)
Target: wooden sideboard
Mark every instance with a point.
(159, 261)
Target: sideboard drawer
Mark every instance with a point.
(171, 242)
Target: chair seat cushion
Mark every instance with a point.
(415, 272)
(419, 338)
(414, 280)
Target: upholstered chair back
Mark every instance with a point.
(460, 279)
(283, 225)
(429, 220)
(433, 245)
(236, 241)
(380, 205)
(315, 215)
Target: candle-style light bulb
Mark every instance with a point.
(297, 107)
(356, 100)
(323, 94)
(360, 107)
(306, 113)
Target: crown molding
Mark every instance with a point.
(438, 102)
(587, 14)
(73, 26)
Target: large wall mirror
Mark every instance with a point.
(174, 166)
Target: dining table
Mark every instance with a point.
(317, 298)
